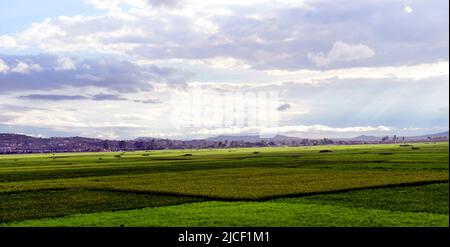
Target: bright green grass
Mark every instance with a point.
(215, 213)
(432, 198)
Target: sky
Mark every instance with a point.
(186, 69)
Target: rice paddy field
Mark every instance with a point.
(360, 185)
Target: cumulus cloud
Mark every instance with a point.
(65, 63)
(342, 52)
(3, 67)
(25, 68)
(286, 37)
(413, 72)
(8, 42)
(113, 74)
(408, 9)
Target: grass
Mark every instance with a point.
(431, 198)
(364, 157)
(56, 203)
(242, 183)
(93, 185)
(307, 211)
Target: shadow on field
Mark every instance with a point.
(267, 198)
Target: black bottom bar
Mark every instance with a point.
(224, 236)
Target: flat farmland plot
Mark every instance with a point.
(36, 187)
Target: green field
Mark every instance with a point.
(360, 185)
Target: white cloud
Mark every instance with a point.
(415, 72)
(342, 52)
(226, 63)
(111, 73)
(260, 33)
(65, 63)
(203, 25)
(40, 33)
(25, 68)
(8, 42)
(3, 66)
(408, 9)
(99, 34)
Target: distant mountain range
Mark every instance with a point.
(15, 143)
(365, 138)
(406, 138)
(437, 134)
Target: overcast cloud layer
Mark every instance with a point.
(339, 68)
